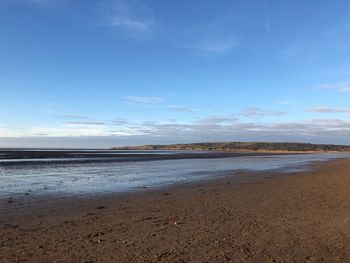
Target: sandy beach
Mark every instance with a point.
(174, 131)
(289, 218)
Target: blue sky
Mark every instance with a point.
(83, 73)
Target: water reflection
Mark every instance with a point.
(96, 177)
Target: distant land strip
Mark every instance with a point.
(244, 146)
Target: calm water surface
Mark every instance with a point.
(26, 177)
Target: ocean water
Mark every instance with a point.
(47, 177)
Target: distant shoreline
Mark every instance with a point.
(280, 147)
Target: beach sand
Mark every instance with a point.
(301, 217)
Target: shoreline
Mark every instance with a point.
(300, 216)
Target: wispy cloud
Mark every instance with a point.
(295, 51)
(330, 110)
(132, 17)
(132, 24)
(207, 38)
(213, 46)
(267, 23)
(337, 87)
(258, 113)
(212, 128)
(90, 123)
(120, 122)
(74, 117)
(223, 128)
(79, 120)
(67, 130)
(177, 108)
(218, 119)
(44, 3)
(41, 134)
(285, 102)
(144, 100)
(268, 27)
(37, 1)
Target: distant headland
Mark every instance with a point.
(244, 146)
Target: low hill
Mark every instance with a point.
(244, 146)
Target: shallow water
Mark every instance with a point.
(79, 178)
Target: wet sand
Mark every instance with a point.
(289, 218)
(16, 157)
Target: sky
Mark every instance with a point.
(98, 74)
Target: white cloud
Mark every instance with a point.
(223, 128)
(337, 87)
(7, 133)
(213, 128)
(78, 130)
